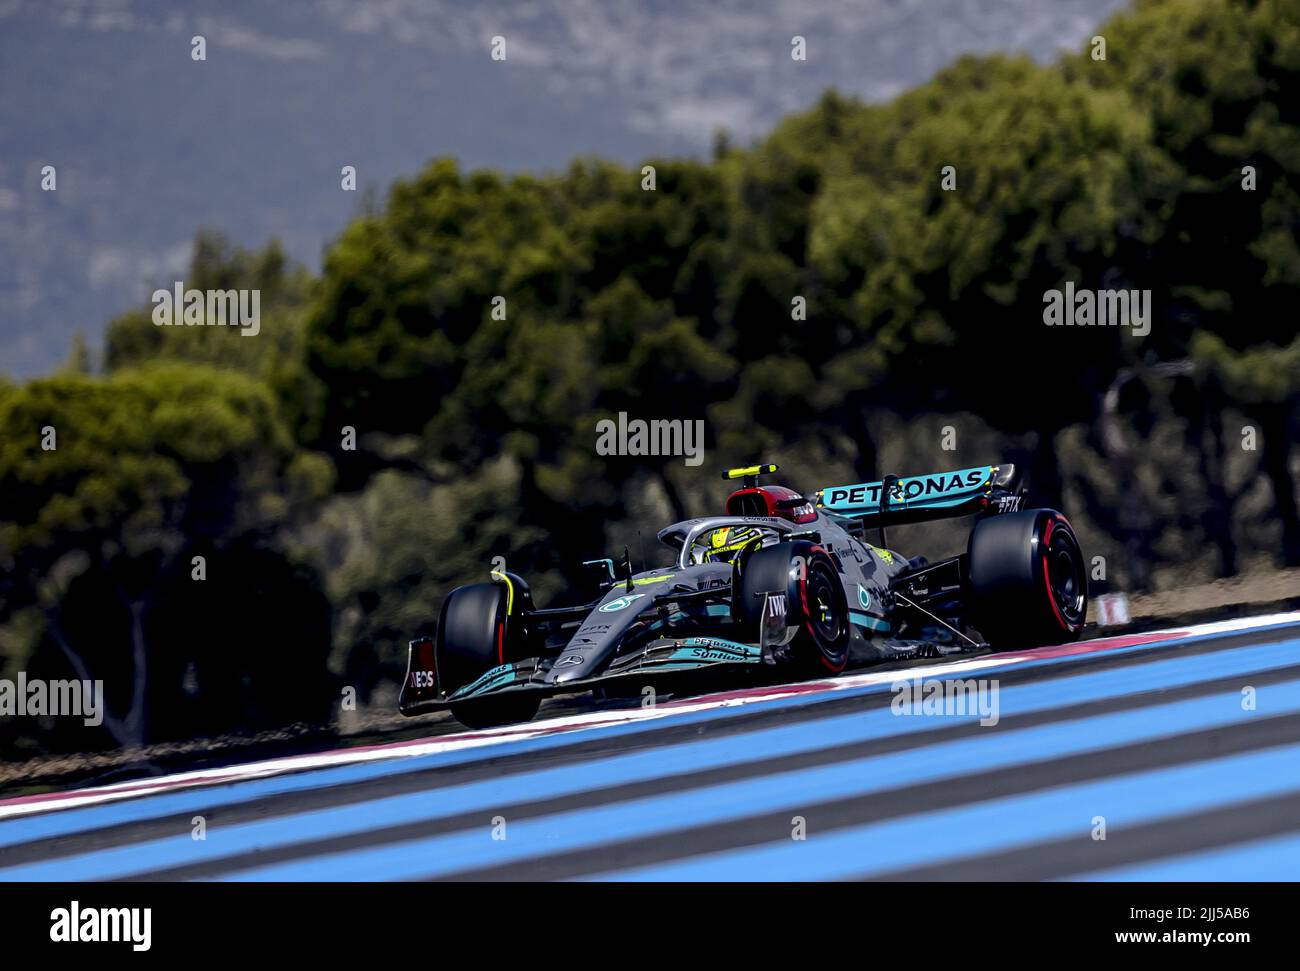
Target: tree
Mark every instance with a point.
(112, 487)
(1221, 80)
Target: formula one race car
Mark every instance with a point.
(782, 581)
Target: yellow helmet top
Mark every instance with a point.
(726, 541)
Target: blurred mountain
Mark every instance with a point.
(150, 145)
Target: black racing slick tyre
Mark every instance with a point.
(473, 638)
(1027, 583)
(815, 603)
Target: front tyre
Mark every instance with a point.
(1027, 583)
(474, 637)
(815, 603)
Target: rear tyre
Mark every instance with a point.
(1027, 583)
(815, 603)
(474, 638)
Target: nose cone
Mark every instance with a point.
(577, 661)
(600, 634)
(579, 669)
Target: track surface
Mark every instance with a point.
(1147, 732)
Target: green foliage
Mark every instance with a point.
(128, 449)
(133, 338)
(1262, 374)
(112, 485)
(1219, 81)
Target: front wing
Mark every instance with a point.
(420, 692)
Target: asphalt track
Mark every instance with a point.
(1148, 732)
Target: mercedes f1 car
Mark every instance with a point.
(781, 582)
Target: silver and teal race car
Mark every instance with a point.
(782, 585)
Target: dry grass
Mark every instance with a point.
(1248, 589)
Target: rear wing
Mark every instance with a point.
(920, 498)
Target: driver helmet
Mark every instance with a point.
(726, 541)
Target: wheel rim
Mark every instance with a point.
(824, 617)
(1063, 568)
